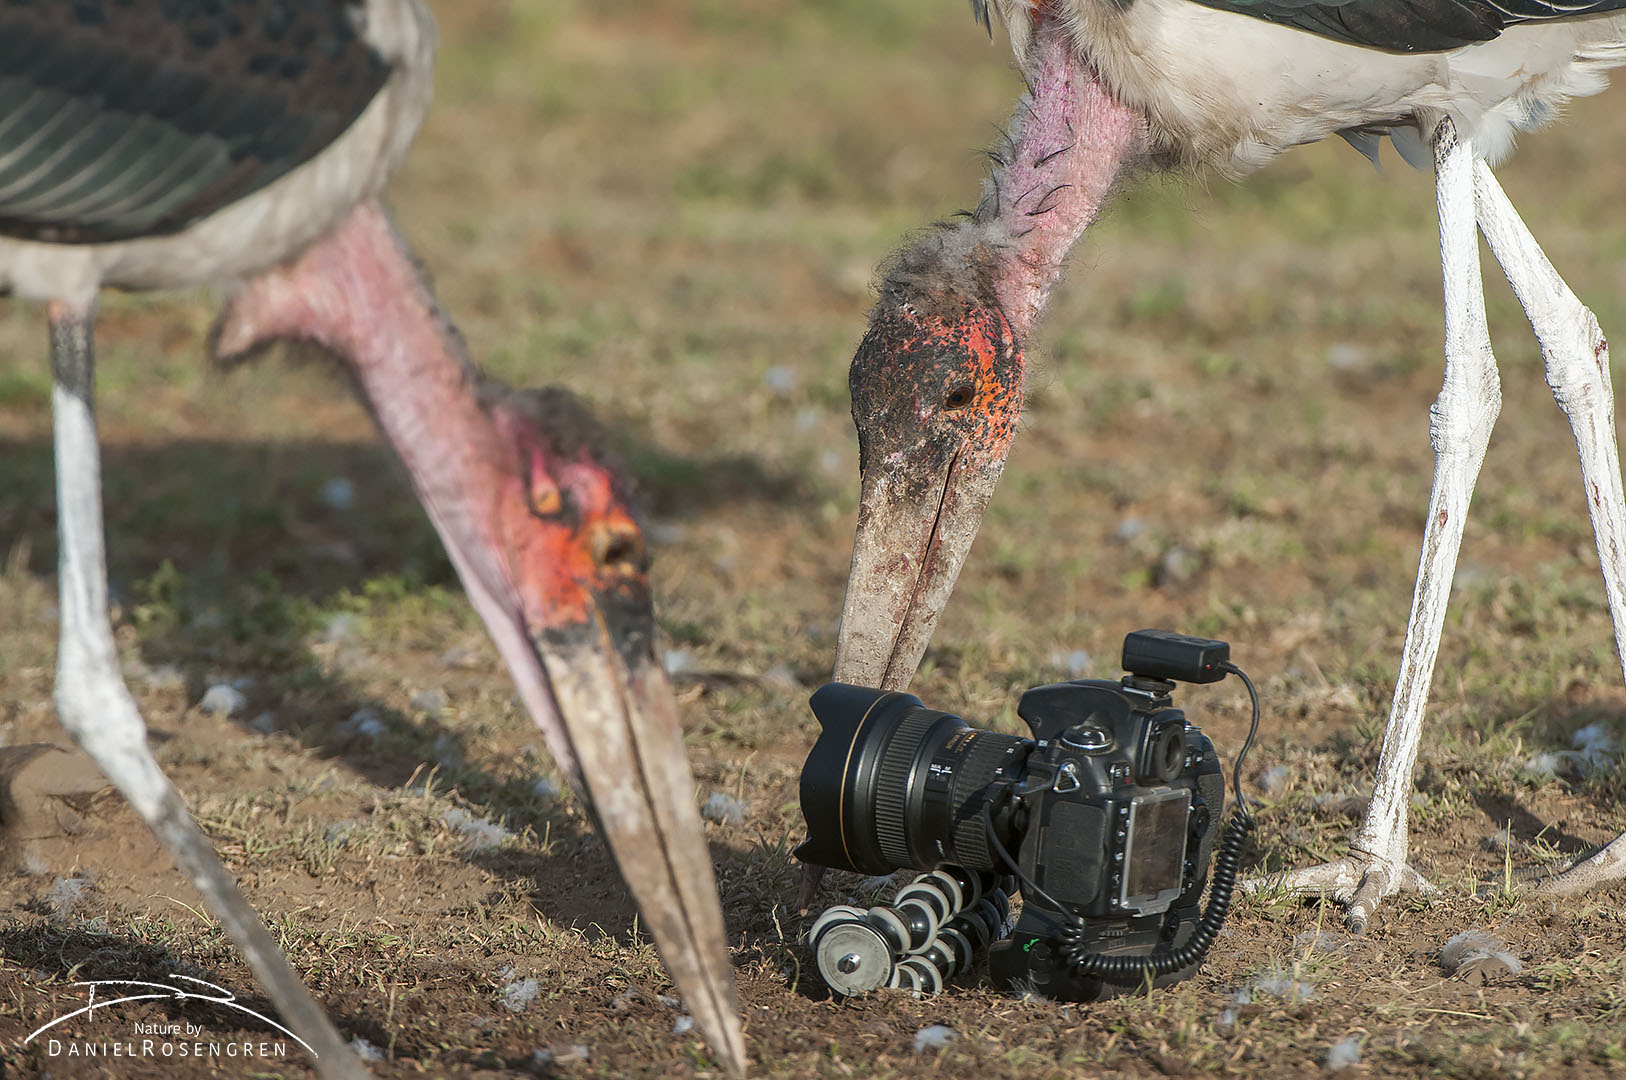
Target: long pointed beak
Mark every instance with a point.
(621, 721)
(917, 516)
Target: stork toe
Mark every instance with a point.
(1358, 881)
(1603, 866)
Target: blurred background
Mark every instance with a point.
(675, 208)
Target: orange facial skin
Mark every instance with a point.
(949, 378)
(564, 522)
(937, 393)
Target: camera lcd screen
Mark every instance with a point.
(1155, 851)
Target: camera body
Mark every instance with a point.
(1120, 800)
(1109, 815)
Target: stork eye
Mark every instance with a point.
(546, 501)
(959, 397)
(618, 546)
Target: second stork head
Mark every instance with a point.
(937, 392)
(535, 513)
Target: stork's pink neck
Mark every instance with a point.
(1072, 139)
(357, 293)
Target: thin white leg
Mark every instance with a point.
(95, 707)
(1577, 359)
(1460, 425)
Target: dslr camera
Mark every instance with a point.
(1107, 817)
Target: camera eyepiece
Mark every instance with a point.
(1165, 756)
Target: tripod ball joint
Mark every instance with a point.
(935, 929)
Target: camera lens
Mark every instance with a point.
(891, 783)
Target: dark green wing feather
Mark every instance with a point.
(1409, 25)
(128, 118)
(1405, 26)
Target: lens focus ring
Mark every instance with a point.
(892, 784)
(976, 770)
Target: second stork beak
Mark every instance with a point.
(637, 777)
(917, 516)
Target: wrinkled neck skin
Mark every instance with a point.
(1070, 146)
(358, 294)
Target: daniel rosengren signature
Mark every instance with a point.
(147, 991)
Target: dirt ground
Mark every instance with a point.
(675, 208)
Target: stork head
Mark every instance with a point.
(563, 585)
(535, 514)
(937, 391)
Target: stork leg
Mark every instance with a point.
(1459, 429)
(96, 708)
(1577, 359)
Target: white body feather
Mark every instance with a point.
(273, 224)
(1231, 91)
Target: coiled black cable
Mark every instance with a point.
(1123, 970)
(1133, 969)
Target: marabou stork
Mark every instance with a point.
(937, 381)
(169, 143)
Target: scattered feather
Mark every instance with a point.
(780, 379)
(683, 1025)
(1553, 763)
(724, 809)
(1344, 803)
(366, 1051)
(1476, 957)
(1344, 1054)
(1270, 984)
(517, 996)
(341, 627)
(431, 702)
(1324, 941)
(1598, 744)
(1347, 357)
(564, 1055)
(1274, 780)
(935, 1037)
(164, 677)
(461, 656)
(365, 722)
(338, 493)
(480, 833)
(65, 895)
(223, 699)
(1073, 663)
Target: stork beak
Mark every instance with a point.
(620, 721)
(917, 515)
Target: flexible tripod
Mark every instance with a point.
(935, 928)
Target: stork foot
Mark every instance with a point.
(1360, 882)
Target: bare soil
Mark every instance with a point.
(675, 209)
